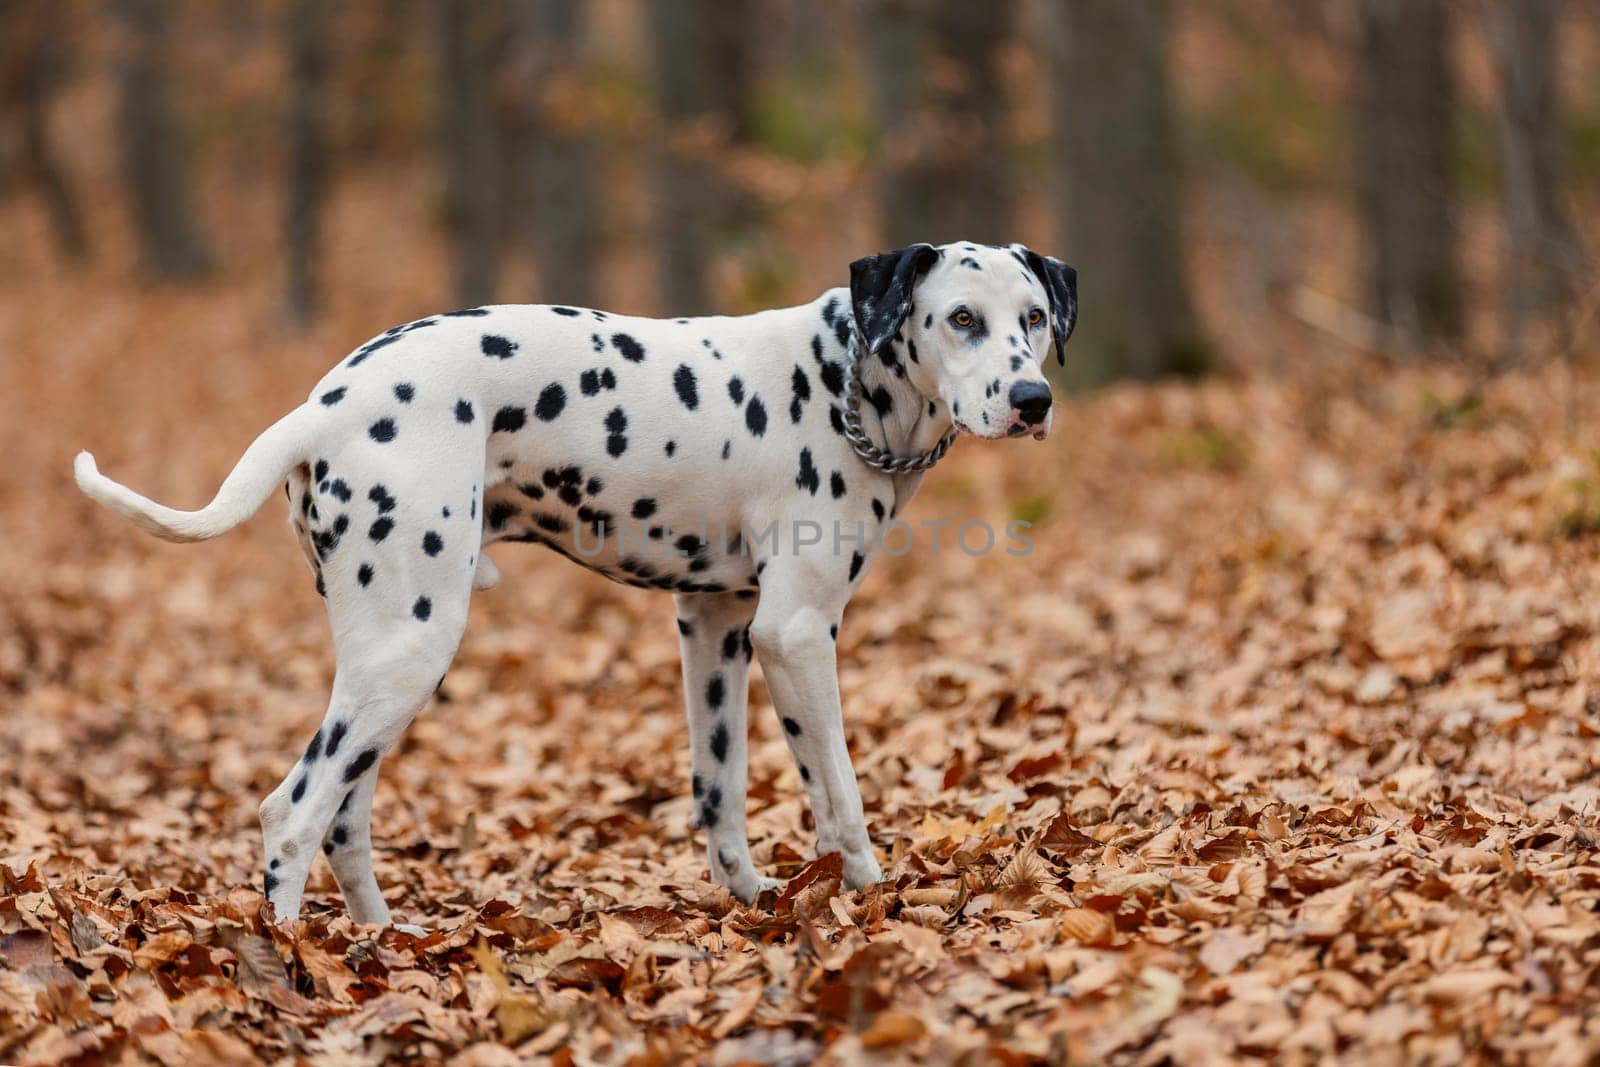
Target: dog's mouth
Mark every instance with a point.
(985, 433)
(1016, 427)
(1040, 431)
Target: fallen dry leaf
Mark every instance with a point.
(893, 1028)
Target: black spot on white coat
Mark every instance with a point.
(336, 737)
(509, 419)
(711, 806)
(360, 765)
(498, 347)
(628, 347)
(801, 386)
(616, 429)
(684, 384)
(808, 478)
(552, 399)
(501, 512)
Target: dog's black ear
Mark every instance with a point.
(880, 290)
(1061, 282)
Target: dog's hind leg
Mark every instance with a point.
(348, 846)
(397, 558)
(713, 636)
(374, 700)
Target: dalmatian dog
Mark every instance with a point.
(695, 456)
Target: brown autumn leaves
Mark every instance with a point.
(1279, 747)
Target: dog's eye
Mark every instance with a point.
(1036, 316)
(962, 318)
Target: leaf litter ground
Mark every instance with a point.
(1278, 747)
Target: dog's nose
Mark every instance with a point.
(1032, 401)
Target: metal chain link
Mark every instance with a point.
(870, 453)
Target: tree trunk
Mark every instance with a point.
(941, 110)
(155, 159)
(1544, 252)
(703, 78)
(1118, 144)
(1407, 177)
(554, 175)
(308, 163)
(30, 71)
(468, 54)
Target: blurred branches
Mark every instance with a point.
(1421, 168)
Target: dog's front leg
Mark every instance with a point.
(713, 631)
(793, 633)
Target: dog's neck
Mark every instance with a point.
(893, 412)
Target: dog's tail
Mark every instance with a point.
(264, 465)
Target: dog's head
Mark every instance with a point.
(973, 325)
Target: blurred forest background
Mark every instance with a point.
(1279, 747)
(1234, 179)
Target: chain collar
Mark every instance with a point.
(870, 453)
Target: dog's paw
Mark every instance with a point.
(861, 870)
(414, 931)
(748, 889)
(739, 876)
